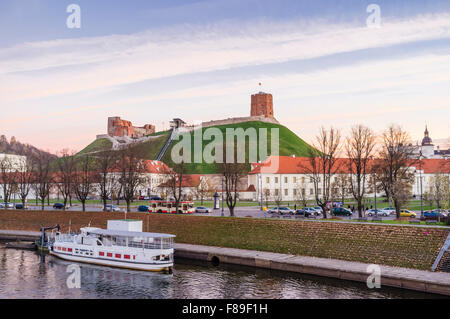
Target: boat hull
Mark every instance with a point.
(113, 263)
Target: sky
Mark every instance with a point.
(151, 61)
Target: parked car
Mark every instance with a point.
(58, 206)
(341, 211)
(310, 211)
(377, 212)
(434, 214)
(20, 206)
(202, 210)
(388, 210)
(144, 197)
(112, 208)
(318, 209)
(143, 208)
(306, 213)
(6, 205)
(155, 198)
(407, 213)
(281, 211)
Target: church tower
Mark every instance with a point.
(262, 105)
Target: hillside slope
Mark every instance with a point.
(15, 147)
(289, 144)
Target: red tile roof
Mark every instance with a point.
(302, 165)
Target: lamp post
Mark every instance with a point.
(420, 179)
(260, 192)
(222, 197)
(374, 186)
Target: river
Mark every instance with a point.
(27, 274)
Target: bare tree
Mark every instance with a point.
(174, 182)
(84, 179)
(323, 164)
(340, 187)
(43, 178)
(300, 196)
(437, 188)
(25, 181)
(65, 175)
(203, 190)
(393, 166)
(359, 148)
(8, 178)
(232, 171)
(131, 173)
(266, 195)
(104, 165)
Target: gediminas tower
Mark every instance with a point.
(262, 105)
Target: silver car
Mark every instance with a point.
(202, 210)
(281, 211)
(112, 208)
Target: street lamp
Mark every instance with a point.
(374, 186)
(420, 178)
(222, 197)
(260, 191)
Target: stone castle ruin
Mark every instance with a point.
(122, 132)
(121, 128)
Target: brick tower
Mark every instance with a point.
(262, 105)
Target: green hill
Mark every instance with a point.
(289, 144)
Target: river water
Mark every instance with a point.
(27, 274)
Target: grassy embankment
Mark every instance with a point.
(412, 247)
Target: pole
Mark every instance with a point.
(222, 197)
(260, 191)
(375, 192)
(421, 191)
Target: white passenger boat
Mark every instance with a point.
(122, 245)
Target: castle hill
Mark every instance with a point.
(243, 156)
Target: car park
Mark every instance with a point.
(202, 210)
(143, 208)
(281, 211)
(340, 211)
(407, 213)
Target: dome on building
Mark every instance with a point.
(426, 140)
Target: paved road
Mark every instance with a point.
(246, 211)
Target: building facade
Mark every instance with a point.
(291, 175)
(13, 163)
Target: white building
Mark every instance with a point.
(285, 176)
(428, 150)
(13, 163)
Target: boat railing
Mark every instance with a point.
(64, 238)
(150, 245)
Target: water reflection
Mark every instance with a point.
(26, 274)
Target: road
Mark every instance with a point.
(251, 211)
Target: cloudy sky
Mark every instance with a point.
(150, 61)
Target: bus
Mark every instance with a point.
(169, 207)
